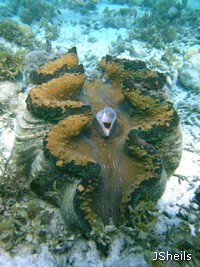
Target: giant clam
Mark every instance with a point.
(97, 149)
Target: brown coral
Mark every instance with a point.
(58, 97)
(119, 69)
(56, 68)
(60, 142)
(124, 168)
(65, 145)
(150, 182)
(156, 116)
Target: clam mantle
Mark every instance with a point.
(97, 149)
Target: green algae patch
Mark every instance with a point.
(11, 64)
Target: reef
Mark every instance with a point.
(14, 32)
(82, 5)
(161, 22)
(29, 10)
(54, 69)
(39, 12)
(10, 64)
(124, 2)
(189, 73)
(118, 18)
(97, 148)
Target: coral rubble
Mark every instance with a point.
(89, 175)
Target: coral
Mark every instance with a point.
(55, 98)
(82, 5)
(93, 177)
(119, 18)
(30, 10)
(189, 74)
(130, 3)
(12, 31)
(55, 69)
(10, 64)
(30, 221)
(169, 55)
(154, 36)
(41, 12)
(159, 26)
(44, 100)
(144, 90)
(5, 10)
(52, 29)
(63, 150)
(26, 15)
(119, 69)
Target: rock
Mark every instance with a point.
(190, 74)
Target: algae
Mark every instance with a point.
(123, 17)
(26, 220)
(81, 5)
(33, 10)
(169, 56)
(11, 64)
(31, 222)
(159, 25)
(17, 33)
(125, 2)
